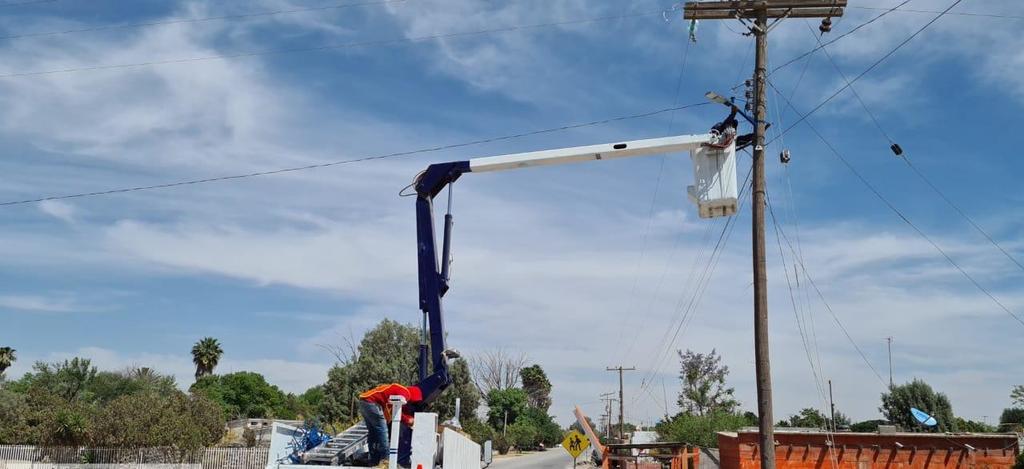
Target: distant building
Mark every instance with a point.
(816, 449)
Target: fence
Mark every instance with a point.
(12, 456)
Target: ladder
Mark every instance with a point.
(340, 448)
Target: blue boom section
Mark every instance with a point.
(433, 277)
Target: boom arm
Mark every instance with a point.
(433, 275)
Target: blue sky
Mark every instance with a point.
(556, 263)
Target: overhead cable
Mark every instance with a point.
(903, 156)
(850, 83)
(344, 162)
(905, 219)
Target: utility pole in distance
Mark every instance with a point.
(889, 340)
(622, 407)
(760, 11)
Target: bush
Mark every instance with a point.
(700, 430)
(523, 435)
(478, 430)
(501, 444)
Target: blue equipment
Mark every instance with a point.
(923, 418)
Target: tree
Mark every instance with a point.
(7, 358)
(505, 405)
(1016, 394)
(496, 369)
(576, 426)
(68, 379)
(522, 435)
(704, 389)
(462, 388)
(701, 430)
(812, 418)
(206, 354)
(243, 395)
(973, 426)
(387, 354)
(148, 419)
(867, 426)
(109, 385)
(14, 418)
(897, 402)
(537, 387)
(1012, 419)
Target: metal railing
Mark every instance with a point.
(209, 458)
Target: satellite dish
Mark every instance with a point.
(923, 418)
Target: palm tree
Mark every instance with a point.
(7, 358)
(205, 354)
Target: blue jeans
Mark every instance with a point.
(377, 426)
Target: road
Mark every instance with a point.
(554, 458)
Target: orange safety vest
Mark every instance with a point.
(381, 395)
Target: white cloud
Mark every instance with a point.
(41, 304)
(60, 210)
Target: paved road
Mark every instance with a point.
(554, 458)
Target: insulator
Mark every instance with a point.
(749, 107)
(749, 94)
(826, 26)
(784, 156)
(896, 149)
(749, 83)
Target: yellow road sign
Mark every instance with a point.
(575, 443)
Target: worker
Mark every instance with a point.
(375, 407)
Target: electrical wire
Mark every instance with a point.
(198, 20)
(346, 162)
(650, 212)
(850, 83)
(906, 220)
(697, 292)
(919, 174)
(983, 15)
(347, 45)
(828, 307)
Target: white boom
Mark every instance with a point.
(603, 151)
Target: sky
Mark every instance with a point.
(580, 267)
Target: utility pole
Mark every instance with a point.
(832, 405)
(608, 400)
(889, 340)
(622, 406)
(760, 11)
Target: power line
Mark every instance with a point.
(821, 296)
(650, 212)
(345, 162)
(983, 15)
(906, 220)
(198, 20)
(850, 83)
(347, 45)
(919, 174)
(665, 349)
(834, 40)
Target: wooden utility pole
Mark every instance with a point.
(760, 11)
(608, 400)
(832, 406)
(622, 406)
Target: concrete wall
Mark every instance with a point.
(872, 451)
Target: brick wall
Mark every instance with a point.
(807, 450)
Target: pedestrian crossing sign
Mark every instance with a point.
(575, 443)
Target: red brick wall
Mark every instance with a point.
(871, 451)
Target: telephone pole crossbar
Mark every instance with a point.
(760, 11)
